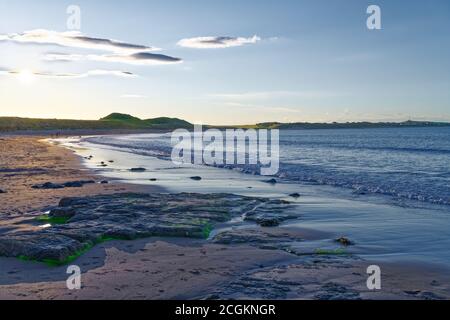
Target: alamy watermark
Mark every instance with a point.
(374, 20)
(74, 280)
(74, 20)
(374, 279)
(216, 147)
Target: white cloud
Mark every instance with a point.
(90, 73)
(123, 74)
(140, 58)
(77, 40)
(265, 107)
(132, 96)
(217, 42)
(266, 95)
(120, 52)
(65, 57)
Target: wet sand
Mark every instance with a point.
(29, 160)
(168, 268)
(188, 269)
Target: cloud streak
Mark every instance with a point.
(140, 58)
(132, 96)
(118, 52)
(217, 42)
(75, 40)
(90, 73)
(267, 95)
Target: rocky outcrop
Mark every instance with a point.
(138, 169)
(269, 216)
(70, 184)
(91, 220)
(344, 241)
(259, 237)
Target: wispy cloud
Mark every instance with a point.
(265, 107)
(119, 52)
(90, 73)
(217, 42)
(64, 57)
(76, 40)
(266, 95)
(132, 96)
(140, 58)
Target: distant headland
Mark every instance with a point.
(125, 122)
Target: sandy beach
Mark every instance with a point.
(245, 263)
(30, 160)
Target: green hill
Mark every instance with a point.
(114, 121)
(120, 117)
(120, 121)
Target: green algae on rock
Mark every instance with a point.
(78, 224)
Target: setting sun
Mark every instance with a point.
(26, 76)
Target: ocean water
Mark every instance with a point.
(401, 163)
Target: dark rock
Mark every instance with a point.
(295, 195)
(39, 246)
(335, 291)
(271, 181)
(430, 296)
(412, 292)
(130, 216)
(48, 185)
(65, 202)
(111, 161)
(257, 236)
(104, 182)
(344, 241)
(360, 191)
(138, 169)
(268, 222)
(196, 178)
(255, 286)
(270, 215)
(2, 191)
(62, 212)
(435, 283)
(71, 184)
(77, 184)
(153, 179)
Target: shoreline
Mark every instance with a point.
(28, 161)
(74, 132)
(115, 270)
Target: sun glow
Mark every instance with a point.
(26, 76)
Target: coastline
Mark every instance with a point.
(29, 160)
(173, 268)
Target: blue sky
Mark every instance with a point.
(313, 61)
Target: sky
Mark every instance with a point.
(226, 62)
